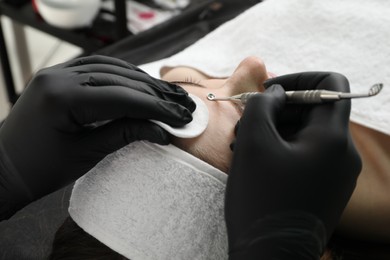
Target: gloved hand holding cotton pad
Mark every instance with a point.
(193, 129)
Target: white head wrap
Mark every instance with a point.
(147, 201)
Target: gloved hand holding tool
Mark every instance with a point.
(294, 169)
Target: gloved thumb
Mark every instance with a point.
(110, 137)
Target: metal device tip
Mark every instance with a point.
(375, 89)
(211, 96)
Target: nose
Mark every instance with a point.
(249, 76)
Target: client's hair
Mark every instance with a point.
(71, 243)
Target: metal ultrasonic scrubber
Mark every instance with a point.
(304, 96)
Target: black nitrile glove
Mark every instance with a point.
(49, 138)
(294, 169)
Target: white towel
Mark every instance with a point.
(154, 202)
(351, 37)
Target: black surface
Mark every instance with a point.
(16, 2)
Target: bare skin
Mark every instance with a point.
(367, 215)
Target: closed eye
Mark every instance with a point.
(188, 82)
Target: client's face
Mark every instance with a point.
(213, 146)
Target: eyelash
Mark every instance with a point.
(188, 80)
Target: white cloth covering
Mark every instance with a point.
(350, 37)
(147, 201)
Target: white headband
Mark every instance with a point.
(147, 201)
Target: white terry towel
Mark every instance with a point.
(151, 202)
(351, 37)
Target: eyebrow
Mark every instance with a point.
(188, 83)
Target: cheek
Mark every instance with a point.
(220, 130)
(213, 145)
(223, 115)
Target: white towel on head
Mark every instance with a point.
(147, 201)
(350, 37)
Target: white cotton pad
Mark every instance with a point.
(195, 127)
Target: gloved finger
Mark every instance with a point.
(333, 115)
(308, 81)
(117, 67)
(176, 93)
(326, 126)
(329, 115)
(131, 74)
(113, 102)
(116, 134)
(258, 125)
(297, 81)
(100, 60)
(291, 117)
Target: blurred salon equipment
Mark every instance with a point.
(149, 29)
(68, 14)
